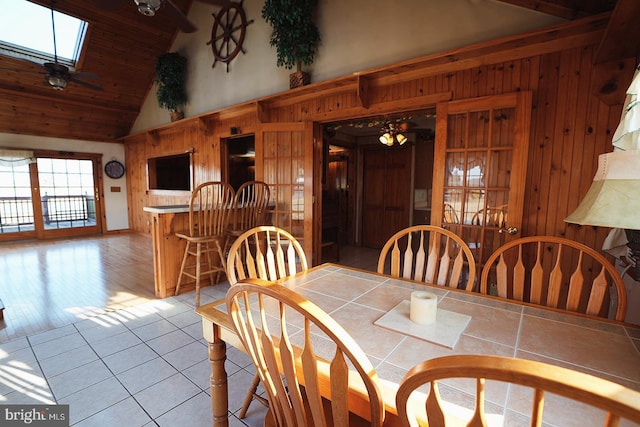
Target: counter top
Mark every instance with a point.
(167, 209)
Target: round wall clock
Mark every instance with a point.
(114, 169)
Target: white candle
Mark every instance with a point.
(423, 307)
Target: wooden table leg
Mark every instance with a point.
(219, 388)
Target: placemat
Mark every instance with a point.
(445, 331)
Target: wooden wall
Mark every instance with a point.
(570, 123)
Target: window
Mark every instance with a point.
(26, 32)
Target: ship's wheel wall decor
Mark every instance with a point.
(228, 32)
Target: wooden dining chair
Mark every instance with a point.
(555, 272)
(617, 402)
(268, 253)
(209, 210)
(429, 254)
(492, 216)
(250, 205)
(302, 354)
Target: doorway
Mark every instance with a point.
(388, 187)
(50, 196)
(240, 160)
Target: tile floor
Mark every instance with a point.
(142, 366)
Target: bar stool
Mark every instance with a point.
(249, 210)
(209, 210)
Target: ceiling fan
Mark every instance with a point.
(58, 75)
(150, 7)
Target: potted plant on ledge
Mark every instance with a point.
(295, 35)
(171, 70)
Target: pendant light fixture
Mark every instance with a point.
(393, 133)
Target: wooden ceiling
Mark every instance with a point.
(122, 46)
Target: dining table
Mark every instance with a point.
(370, 307)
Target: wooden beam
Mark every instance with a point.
(152, 138)
(620, 39)
(567, 9)
(363, 91)
(610, 80)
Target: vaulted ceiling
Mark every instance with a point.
(122, 47)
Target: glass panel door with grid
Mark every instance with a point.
(54, 197)
(480, 171)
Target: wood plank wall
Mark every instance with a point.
(570, 125)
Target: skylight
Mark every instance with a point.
(26, 33)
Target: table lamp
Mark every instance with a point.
(613, 200)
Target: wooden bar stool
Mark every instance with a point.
(250, 205)
(209, 211)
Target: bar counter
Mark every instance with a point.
(168, 249)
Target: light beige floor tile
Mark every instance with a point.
(187, 355)
(67, 361)
(61, 345)
(169, 342)
(103, 332)
(154, 330)
(129, 358)
(146, 374)
(195, 412)
(124, 413)
(166, 395)
(116, 343)
(77, 379)
(53, 334)
(94, 399)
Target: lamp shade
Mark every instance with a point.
(613, 200)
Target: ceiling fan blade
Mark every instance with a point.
(109, 4)
(216, 2)
(85, 84)
(84, 75)
(21, 70)
(179, 18)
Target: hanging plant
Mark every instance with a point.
(171, 70)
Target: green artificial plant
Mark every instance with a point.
(295, 35)
(171, 73)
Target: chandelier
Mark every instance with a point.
(393, 133)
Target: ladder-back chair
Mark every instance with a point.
(555, 272)
(302, 354)
(268, 253)
(545, 382)
(429, 254)
(250, 205)
(209, 210)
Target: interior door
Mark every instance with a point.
(284, 160)
(386, 197)
(480, 169)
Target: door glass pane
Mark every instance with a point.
(66, 193)
(16, 209)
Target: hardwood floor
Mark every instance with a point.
(48, 284)
(52, 283)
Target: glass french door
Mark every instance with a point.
(480, 169)
(52, 197)
(284, 160)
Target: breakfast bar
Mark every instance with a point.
(168, 249)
